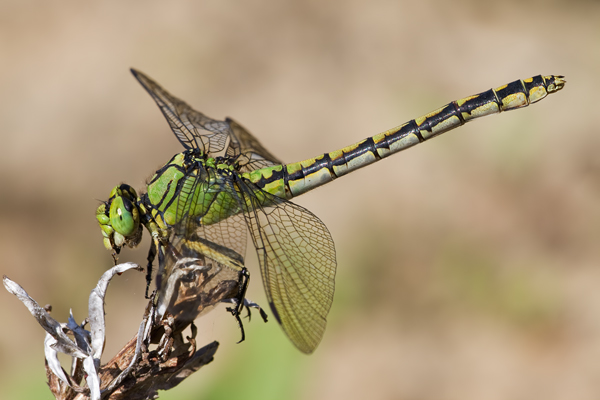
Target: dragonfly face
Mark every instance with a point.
(119, 219)
(226, 184)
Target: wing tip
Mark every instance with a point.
(135, 72)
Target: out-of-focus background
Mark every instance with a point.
(469, 266)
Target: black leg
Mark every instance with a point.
(244, 280)
(151, 256)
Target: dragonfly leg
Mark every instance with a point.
(151, 257)
(157, 247)
(115, 256)
(243, 282)
(238, 301)
(239, 321)
(250, 304)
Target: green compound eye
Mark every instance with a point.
(124, 216)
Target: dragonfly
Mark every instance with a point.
(226, 183)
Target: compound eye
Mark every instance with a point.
(124, 216)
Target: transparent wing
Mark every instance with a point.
(193, 129)
(297, 261)
(250, 154)
(229, 233)
(197, 131)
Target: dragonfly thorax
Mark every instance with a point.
(192, 185)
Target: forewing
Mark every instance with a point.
(297, 261)
(193, 129)
(250, 153)
(197, 131)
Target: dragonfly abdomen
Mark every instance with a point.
(306, 175)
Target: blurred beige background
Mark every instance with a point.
(469, 266)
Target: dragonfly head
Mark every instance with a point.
(119, 219)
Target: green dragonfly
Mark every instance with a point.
(226, 183)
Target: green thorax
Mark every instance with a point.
(209, 190)
(191, 185)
